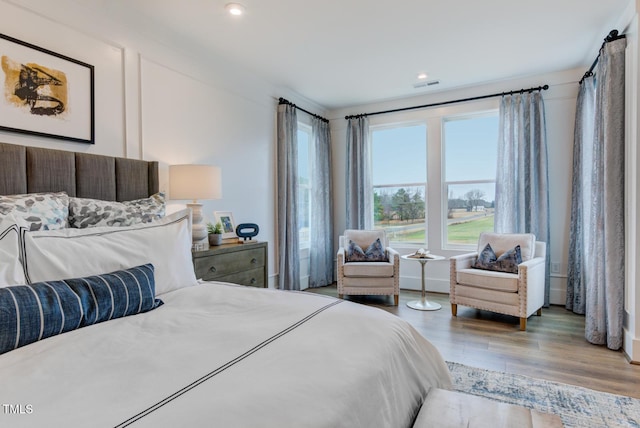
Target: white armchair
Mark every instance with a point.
(518, 294)
(368, 278)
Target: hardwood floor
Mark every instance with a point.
(552, 348)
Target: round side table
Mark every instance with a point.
(423, 304)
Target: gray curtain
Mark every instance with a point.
(359, 192)
(522, 181)
(321, 265)
(605, 250)
(579, 232)
(287, 153)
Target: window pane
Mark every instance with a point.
(304, 186)
(470, 211)
(399, 161)
(471, 148)
(400, 211)
(399, 155)
(303, 156)
(471, 153)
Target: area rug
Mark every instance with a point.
(576, 406)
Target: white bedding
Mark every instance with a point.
(217, 355)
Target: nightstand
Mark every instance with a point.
(244, 264)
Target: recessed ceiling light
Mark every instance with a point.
(422, 76)
(235, 9)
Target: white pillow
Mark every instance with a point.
(77, 253)
(11, 272)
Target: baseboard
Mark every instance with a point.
(631, 347)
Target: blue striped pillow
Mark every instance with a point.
(29, 313)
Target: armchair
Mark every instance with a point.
(519, 294)
(367, 277)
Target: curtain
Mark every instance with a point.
(321, 267)
(522, 181)
(287, 154)
(605, 248)
(579, 232)
(358, 180)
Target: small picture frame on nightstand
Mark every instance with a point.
(228, 225)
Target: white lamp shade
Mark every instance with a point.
(195, 182)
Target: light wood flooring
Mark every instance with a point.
(552, 348)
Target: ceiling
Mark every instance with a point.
(341, 53)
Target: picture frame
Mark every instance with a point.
(228, 225)
(44, 93)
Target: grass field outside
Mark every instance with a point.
(467, 232)
(463, 232)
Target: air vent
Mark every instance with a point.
(419, 85)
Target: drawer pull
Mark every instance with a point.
(212, 269)
(254, 261)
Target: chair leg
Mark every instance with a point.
(539, 313)
(395, 299)
(523, 324)
(340, 296)
(454, 309)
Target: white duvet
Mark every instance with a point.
(217, 355)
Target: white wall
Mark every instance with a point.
(559, 101)
(632, 186)
(157, 102)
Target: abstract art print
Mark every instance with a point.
(44, 93)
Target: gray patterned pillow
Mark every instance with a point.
(85, 212)
(507, 262)
(37, 211)
(374, 253)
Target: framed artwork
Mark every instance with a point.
(44, 93)
(228, 225)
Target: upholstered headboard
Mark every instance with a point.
(25, 169)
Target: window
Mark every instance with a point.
(470, 157)
(399, 173)
(304, 185)
(433, 175)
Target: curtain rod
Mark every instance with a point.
(500, 94)
(284, 101)
(612, 36)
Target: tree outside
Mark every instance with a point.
(401, 211)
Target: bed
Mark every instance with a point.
(196, 353)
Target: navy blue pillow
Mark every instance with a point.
(507, 262)
(29, 313)
(374, 253)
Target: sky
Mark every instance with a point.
(399, 154)
(470, 153)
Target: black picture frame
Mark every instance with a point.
(44, 93)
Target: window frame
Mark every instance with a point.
(445, 184)
(425, 185)
(435, 201)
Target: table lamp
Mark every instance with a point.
(195, 182)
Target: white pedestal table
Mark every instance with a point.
(423, 304)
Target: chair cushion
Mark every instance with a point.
(364, 238)
(374, 252)
(368, 269)
(499, 281)
(502, 242)
(507, 262)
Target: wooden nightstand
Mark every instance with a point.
(244, 264)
